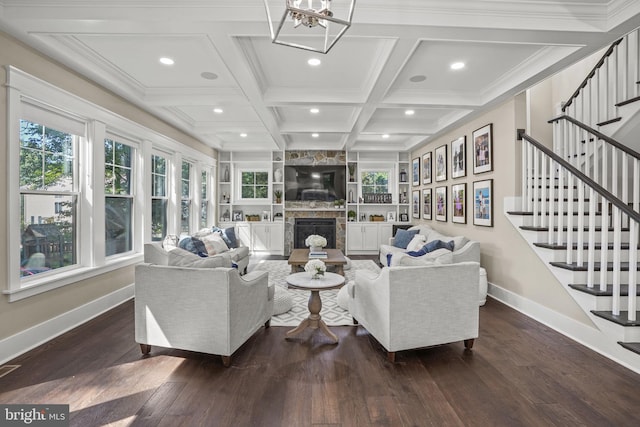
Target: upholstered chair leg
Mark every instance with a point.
(226, 361)
(145, 348)
(391, 356)
(468, 344)
(267, 323)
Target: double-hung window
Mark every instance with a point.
(185, 202)
(48, 199)
(159, 197)
(204, 198)
(118, 189)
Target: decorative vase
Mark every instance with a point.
(315, 248)
(316, 276)
(277, 175)
(227, 177)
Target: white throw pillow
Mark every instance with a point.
(418, 241)
(215, 244)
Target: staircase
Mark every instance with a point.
(580, 204)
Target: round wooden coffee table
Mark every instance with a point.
(305, 282)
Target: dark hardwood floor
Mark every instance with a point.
(520, 373)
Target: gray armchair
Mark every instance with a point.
(209, 310)
(412, 307)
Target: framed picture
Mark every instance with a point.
(416, 203)
(391, 216)
(459, 203)
(459, 157)
(483, 149)
(426, 168)
(404, 217)
(237, 216)
(426, 203)
(483, 203)
(441, 203)
(441, 163)
(415, 168)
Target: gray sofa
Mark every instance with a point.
(465, 250)
(155, 253)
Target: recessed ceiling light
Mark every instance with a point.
(314, 62)
(314, 111)
(315, 135)
(385, 136)
(418, 78)
(457, 66)
(218, 110)
(166, 61)
(243, 135)
(208, 75)
(409, 112)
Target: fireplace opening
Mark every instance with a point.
(304, 227)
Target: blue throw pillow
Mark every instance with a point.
(438, 244)
(192, 245)
(403, 237)
(228, 235)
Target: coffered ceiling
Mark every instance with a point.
(395, 57)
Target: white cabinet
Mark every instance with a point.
(362, 238)
(267, 237)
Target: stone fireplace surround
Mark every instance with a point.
(313, 209)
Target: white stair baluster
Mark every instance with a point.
(591, 252)
(616, 260)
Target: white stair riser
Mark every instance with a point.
(560, 255)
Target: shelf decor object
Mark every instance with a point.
(377, 197)
(324, 22)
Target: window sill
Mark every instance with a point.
(38, 286)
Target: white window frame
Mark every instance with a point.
(246, 168)
(189, 197)
(391, 182)
(135, 208)
(26, 93)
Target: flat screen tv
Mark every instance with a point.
(325, 183)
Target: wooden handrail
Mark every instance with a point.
(585, 179)
(598, 134)
(592, 73)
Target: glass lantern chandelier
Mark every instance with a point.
(321, 26)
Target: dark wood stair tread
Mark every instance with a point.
(597, 228)
(621, 319)
(632, 346)
(628, 101)
(528, 213)
(624, 266)
(608, 122)
(596, 246)
(624, 290)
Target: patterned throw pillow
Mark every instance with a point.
(214, 244)
(193, 245)
(417, 242)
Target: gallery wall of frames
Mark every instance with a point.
(441, 188)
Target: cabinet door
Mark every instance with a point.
(243, 231)
(259, 237)
(354, 237)
(370, 241)
(276, 238)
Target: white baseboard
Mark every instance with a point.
(28, 339)
(586, 335)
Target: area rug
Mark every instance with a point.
(331, 313)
